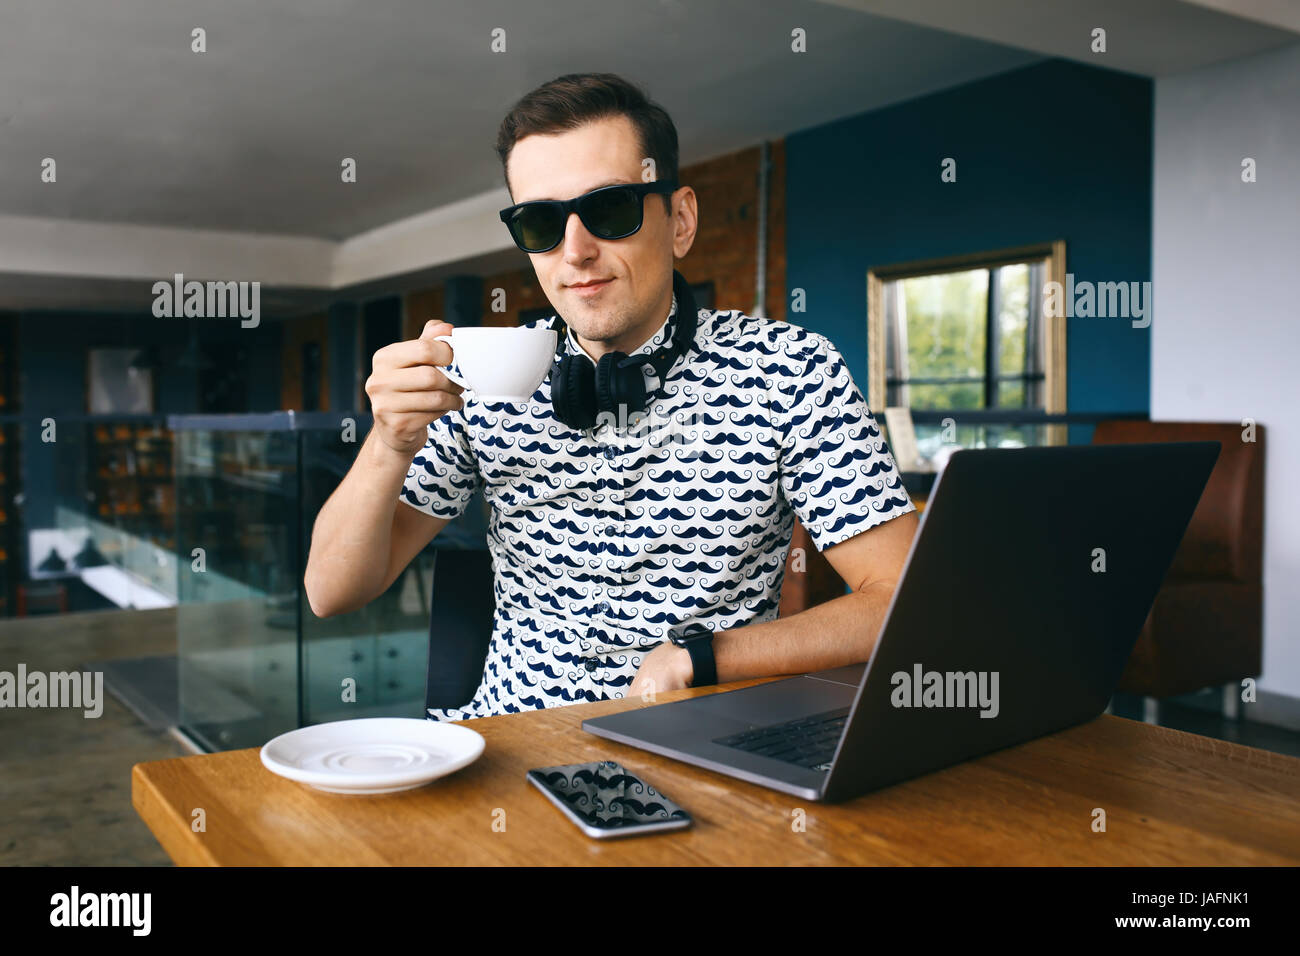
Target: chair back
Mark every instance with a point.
(461, 611)
(1224, 540)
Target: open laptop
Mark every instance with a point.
(1024, 591)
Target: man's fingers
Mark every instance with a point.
(441, 351)
(435, 327)
(420, 403)
(421, 378)
(421, 351)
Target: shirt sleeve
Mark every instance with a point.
(444, 475)
(836, 470)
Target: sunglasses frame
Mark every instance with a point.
(567, 206)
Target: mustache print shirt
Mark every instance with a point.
(602, 540)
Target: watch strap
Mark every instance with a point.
(704, 667)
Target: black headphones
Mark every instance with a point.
(580, 392)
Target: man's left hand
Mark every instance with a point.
(667, 667)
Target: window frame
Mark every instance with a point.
(1052, 254)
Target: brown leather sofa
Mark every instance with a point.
(1205, 628)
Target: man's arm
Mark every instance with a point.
(838, 632)
(362, 539)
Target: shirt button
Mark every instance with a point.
(610, 530)
(610, 453)
(603, 607)
(591, 666)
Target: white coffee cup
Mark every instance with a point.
(500, 364)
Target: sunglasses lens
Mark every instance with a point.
(609, 213)
(612, 213)
(537, 228)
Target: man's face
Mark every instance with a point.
(626, 309)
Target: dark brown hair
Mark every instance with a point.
(570, 101)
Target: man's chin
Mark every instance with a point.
(600, 334)
(596, 318)
(591, 304)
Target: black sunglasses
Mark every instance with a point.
(611, 212)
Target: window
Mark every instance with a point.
(965, 346)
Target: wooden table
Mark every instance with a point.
(1169, 797)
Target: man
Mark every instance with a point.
(607, 544)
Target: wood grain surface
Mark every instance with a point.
(1169, 798)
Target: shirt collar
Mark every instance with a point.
(665, 330)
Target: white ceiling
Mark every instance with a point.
(1148, 37)
(226, 163)
(249, 135)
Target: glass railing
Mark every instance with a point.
(236, 616)
(214, 515)
(940, 433)
(254, 661)
(1008, 427)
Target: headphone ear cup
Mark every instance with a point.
(573, 393)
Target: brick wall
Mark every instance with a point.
(726, 244)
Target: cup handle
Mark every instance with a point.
(447, 371)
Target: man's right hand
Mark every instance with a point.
(408, 391)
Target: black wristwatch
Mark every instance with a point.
(698, 641)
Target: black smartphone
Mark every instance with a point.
(604, 800)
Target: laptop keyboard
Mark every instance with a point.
(809, 741)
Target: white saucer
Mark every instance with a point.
(372, 754)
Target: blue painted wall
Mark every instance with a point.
(1056, 150)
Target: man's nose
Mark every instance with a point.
(578, 242)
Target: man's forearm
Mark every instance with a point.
(840, 631)
(351, 540)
